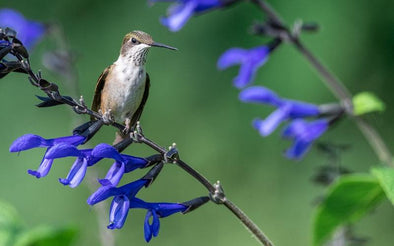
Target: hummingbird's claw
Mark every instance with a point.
(126, 130)
(107, 117)
(138, 128)
(136, 132)
(135, 136)
(172, 154)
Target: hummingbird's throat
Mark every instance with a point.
(136, 54)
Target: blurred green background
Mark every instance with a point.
(196, 106)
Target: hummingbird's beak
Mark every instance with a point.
(156, 44)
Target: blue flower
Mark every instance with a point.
(156, 211)
(29, 32)
(303, 134)
(250, 60)
(123, 163)
(30, 141)
(180, 12)
(121, 202)
(78, 169)
(286, 109)
(128, 191)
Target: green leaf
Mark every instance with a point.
(10, 224)
(348, 199)
(385, 176)
(367, 102)
(46, 236)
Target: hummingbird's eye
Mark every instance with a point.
(134, 41)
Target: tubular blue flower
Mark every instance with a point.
(29, 32)
(303, 134)
(120, 204)
(30, 141)
(286, 109)
(181, 11)
(250, 60)
(123, 163)
(78, 169)
(156, 211)
(129, 190)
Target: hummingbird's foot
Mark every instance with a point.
(138, 128)
(136, 132)
(126, 130)
(107, 117)
(172, 155)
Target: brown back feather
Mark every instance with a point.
(99, 88)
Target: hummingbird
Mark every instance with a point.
(123, 88)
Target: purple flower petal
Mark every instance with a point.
(27, 141)
(301, 109)
(114, 174)
(204, 5)
(132, 163)
(131, 189)
(106, 151)
(167, 209)
(298, 150)
(104, 192)
(63, 150)
(101, 194)
(147, 228)
(250, 61)
(231, 57)
(118, 212)
(303, 134)
(43, 169)
(259, 94)
(179, 16)
(245, 75)
(155, 225)
(73, 140)
(151, 229)
(28, 32)
(267, 126)
(76, 174)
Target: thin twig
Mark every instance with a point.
(254, 229)
(335, 85)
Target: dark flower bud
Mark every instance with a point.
(195, 203)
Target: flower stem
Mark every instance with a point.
(335, 85)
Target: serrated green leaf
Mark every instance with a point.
(385, 175)
(348, 199)
(367, 102)
(46, 236)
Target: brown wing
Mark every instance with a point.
(99, 88)
(138, 113)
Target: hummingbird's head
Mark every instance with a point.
(136, 45)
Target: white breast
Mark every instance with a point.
(128, 90)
